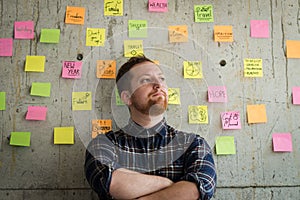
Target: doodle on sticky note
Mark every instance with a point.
(71, 69)
(203, 13)
(253, 67)
(133, 48)
(178, 33)
(24, 30)
(101, 126)
(174, 96)
(192, 69)
(158, 5)
(113, 7)
(106, 69)
(231, 120)
(198, 114)
(75, 15)
(6, 47)
(217, 94)
(95, 37)
(81, 100)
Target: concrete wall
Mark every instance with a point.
(48, 171)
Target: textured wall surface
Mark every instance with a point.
(48, 171)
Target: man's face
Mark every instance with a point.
(148, 88)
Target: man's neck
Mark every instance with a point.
(146, 121)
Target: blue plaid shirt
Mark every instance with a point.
(160, 150)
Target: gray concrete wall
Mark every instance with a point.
(48, 171)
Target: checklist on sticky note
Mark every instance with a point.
(35, 63)
(282, 142)
(296, 95)
(225, 145)
(6, 47)
(50, 35)
(36, 113)
(64, 135)
(40, 89)
(2, 100)
(20, 139)
(256, 113)
(259, 28)
(293, 48)
(24, 30)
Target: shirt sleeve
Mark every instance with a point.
(200, 168)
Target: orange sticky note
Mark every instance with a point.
(75, 15)
(178, 33)
(223, 34)
(101, 126)
(106, 69)
(293, 49)
(256, 113)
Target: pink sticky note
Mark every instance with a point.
(231, 120)
(71, 69)
(296, 95)
(282, 142)
(6, 46)
(259, 28)
(24, 30)
(158, 5)
(36, 113)
(217, 94)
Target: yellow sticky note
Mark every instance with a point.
(225, 145)
(198, 114)
(35, 63)
(95, 37)
(173, 96)
(101, 126)
(256, 113)
(75, 15)
(253, 67)
(223, 34)
(63, 135)
(192, 69)
(293, 49)
(178, 33)
(113, 7)
(133, 48)
(82, 101)
(106, 69)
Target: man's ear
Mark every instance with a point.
(125, 96)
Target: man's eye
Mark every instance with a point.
(146, 80)
(162, 78)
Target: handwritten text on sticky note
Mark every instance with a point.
(24, 30)
(82, 101)
(174, 96)
(231, 120)
(101, 126)
(178, 33)
(106, 69)
(217, 94)
(158, 5)
(71, 69)
(95, 37)
(133, 48)
(137, 28)
(75, 15)
(223, 34)
(253, 67)
(113, 7)
(203, 13)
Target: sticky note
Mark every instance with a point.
(217, 94)
(296, 95)
(133, 48)
(223, 34)
(231, 120)
(113, 7)
(253, 67)
(75, 15)
(40, 89)
(81, 100)
(35, 63)
(6, 47)
(95, 37)
(24, 30)
(293, 48)
(106, 69)
(20, 139)
(192, 69)
(36, 113)
(203, 13)
(119, 101)
(259, 28)
(158, 5)
(282, 142)
(256, 113)
(225, 145)
(137, 28)
(50, 35)
(174, 96)
(198, 114)
(72, 69)
(64, 135)
(101, 126)
(178, 33)
(2, 100)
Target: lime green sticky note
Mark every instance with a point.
(225, 145)
(82, 101)
(2, 100)
(50, 35)
(64, 135)
(20, 139)
(119, 101)
(35, 63)
(40, 89)
(137, 28)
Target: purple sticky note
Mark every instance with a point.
(24, 30)
(6, 46)
(231, 120)
(282, 142)
(259, 28)
(217, 94)
(158, 5)
(36, 113)
(71, 69)
(296, 95)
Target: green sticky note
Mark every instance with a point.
(137, 28)
(203, 13)
(2, 100)
(40, 89)
(35, 63)
(119, 101)
(64, 135)
(50, 35)
(225, 145)
(20, 139)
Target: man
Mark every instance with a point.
(148, 159)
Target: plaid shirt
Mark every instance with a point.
(160, 150)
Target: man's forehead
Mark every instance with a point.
(146, 67)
